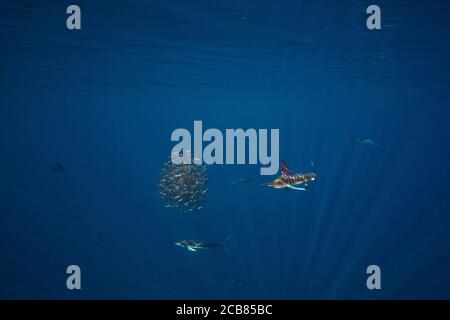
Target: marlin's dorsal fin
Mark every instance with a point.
(284, 169)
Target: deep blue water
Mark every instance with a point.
(104, 100)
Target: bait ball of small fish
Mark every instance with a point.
(183, 186)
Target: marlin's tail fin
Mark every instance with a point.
(225, 244)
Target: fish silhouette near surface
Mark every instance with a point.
(364, 141)
(57, 168)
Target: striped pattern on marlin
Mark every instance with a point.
(290, 179)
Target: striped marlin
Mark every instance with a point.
(193, 246)
(290, 179)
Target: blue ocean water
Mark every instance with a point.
(104, 100)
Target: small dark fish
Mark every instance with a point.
(57, 168)
(241, 180)
(364, 141)
(29, 5)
